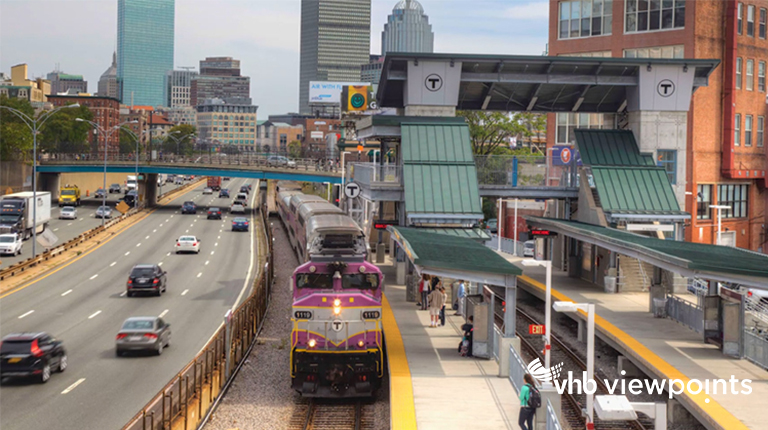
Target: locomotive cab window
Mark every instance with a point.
(360, 281)
(321, 281)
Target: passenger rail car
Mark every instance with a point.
(336, 338)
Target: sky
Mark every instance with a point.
(80, 36)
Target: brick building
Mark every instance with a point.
(315, 130)
(106, 113)
(724, 161)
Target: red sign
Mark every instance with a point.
(536, 329)
(565, 155)
(382, 224)
(538, 232)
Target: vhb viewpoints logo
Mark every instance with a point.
(541, 373)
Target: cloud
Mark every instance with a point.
(537, 10)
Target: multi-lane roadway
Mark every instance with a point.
(67, 229)
(84, 304)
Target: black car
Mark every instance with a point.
(170, 178)
(224, 192)
(31, 354)
(226, 178)
(114, 188)
(131, 197)
(100, 193)
(214, 213)
(146, 278)
(240, 224)
(188, 208)
(245, 189)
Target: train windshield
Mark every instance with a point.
(360, 281)
(320, 281)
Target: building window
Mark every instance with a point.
(283, 139)
(567, 122)
(584, 18)
(748, 130)
(750, 74)
(760, 130)
(672, 51)
(737, 129)
(668, 160)
(761, 76)
(751, 21)
(739, 21)
(738, 73)
(736, 197)
(763, 18)
(652, 15)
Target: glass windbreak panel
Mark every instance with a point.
(322, 281)
(360, 281)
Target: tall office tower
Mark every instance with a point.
(335, 41)
(177, 87)
(145, 34)
(407, 29)
(220, 79)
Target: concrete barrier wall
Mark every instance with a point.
(88, 182)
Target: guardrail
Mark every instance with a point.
(522, 170)
(508, 246)
(685, 313)
(370, 173)
(31, 262)
(756, 348)
(190, 396)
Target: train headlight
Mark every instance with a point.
(361, 344)
(312, 343)
(362, 269)
(312, 269)
(337, 310)
(337, 303)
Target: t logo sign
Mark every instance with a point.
(434, 82)
(666, 88)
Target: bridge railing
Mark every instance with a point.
(370, 173)
(531, 171)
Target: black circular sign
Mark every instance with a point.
(433, 82)
(665, 88)
(357, 101)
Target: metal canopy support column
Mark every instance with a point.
(508, 337)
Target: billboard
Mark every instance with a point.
(329, 92)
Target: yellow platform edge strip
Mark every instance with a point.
(401, 406)
(713, 409)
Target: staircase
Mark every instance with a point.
(634, 275)
(596, 197)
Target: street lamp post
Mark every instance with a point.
(343, 175)
(34, 125)
(108, 135)
(548, 306)
(589, 308)
(137, 138)
(719, 208)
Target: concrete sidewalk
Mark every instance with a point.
(449, 391)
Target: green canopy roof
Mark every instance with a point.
(610, 148)
(635, 190)
(449, 252)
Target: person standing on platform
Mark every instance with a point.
(461, 294)
(527, 409)
(423, 291)
(467, 329)
(436, 302)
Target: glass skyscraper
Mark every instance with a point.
(407, 29)
(145, 34)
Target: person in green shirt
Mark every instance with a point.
(525, 420)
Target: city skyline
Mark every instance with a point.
(270, 39)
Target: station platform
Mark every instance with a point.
(431, 385)
(667, 349)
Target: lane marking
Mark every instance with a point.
(160, 263)
(69, 224)
(216, 244)
(73, 386)
(219, 237)
(162, 314)
(186, 231)
(211, 252)
(168, 254)
(123, 294)
(161, 225)
(138, 244)
(55, 229)
(94, 276)
(113, 263)
(192, 225)
(65, 293)
(146, 237)
(206, 263)
(166, 220)
(127, 252)
(200, 274)
(28, 313)
(153, 231)
(94, 314)
(184, 292)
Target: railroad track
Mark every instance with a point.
(322, 414)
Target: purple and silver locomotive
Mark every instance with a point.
(337, 338)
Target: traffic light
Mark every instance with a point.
(355, 98)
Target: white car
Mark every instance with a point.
(237, 208)
(10, 243)
(68, 212)
(529, 248)
(758, 294)
(187, 244)
(207, 190)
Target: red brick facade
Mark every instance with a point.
(710, 132)
(106, 113)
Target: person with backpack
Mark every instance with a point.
(530, 400)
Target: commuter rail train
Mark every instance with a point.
(336, 339)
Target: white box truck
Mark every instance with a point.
(16, 213)
(131, 183)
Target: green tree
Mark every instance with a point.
(294, 149)
(127, 142)
(534, 126)
(490, 130)
(185, 136)
(61, 133)
(15, 136)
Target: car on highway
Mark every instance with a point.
(243, 197)
(214, 213)
(146, 278)
(179, 180)
(31, 354)
(244, 189)
(237, 208)
(11, 243)
(240, 224)
(188, 208)
(224, 193)
(207, 190)
(103, 212)
(99, 194)
(68, 212)
(143, 334)
(226, 178)
(529, 248)
(170, 178)
(131, 197)
(187, 244)
(115, 188)
(279, 160)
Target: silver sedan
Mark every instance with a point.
(143, 334)
(68, 212)
(103, 212)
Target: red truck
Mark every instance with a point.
(214, 182)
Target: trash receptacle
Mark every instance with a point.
(660, 308)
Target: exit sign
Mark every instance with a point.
(382, 224)
(540, 232)
(536, 329)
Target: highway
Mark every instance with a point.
(84, 304)
(66, 229)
